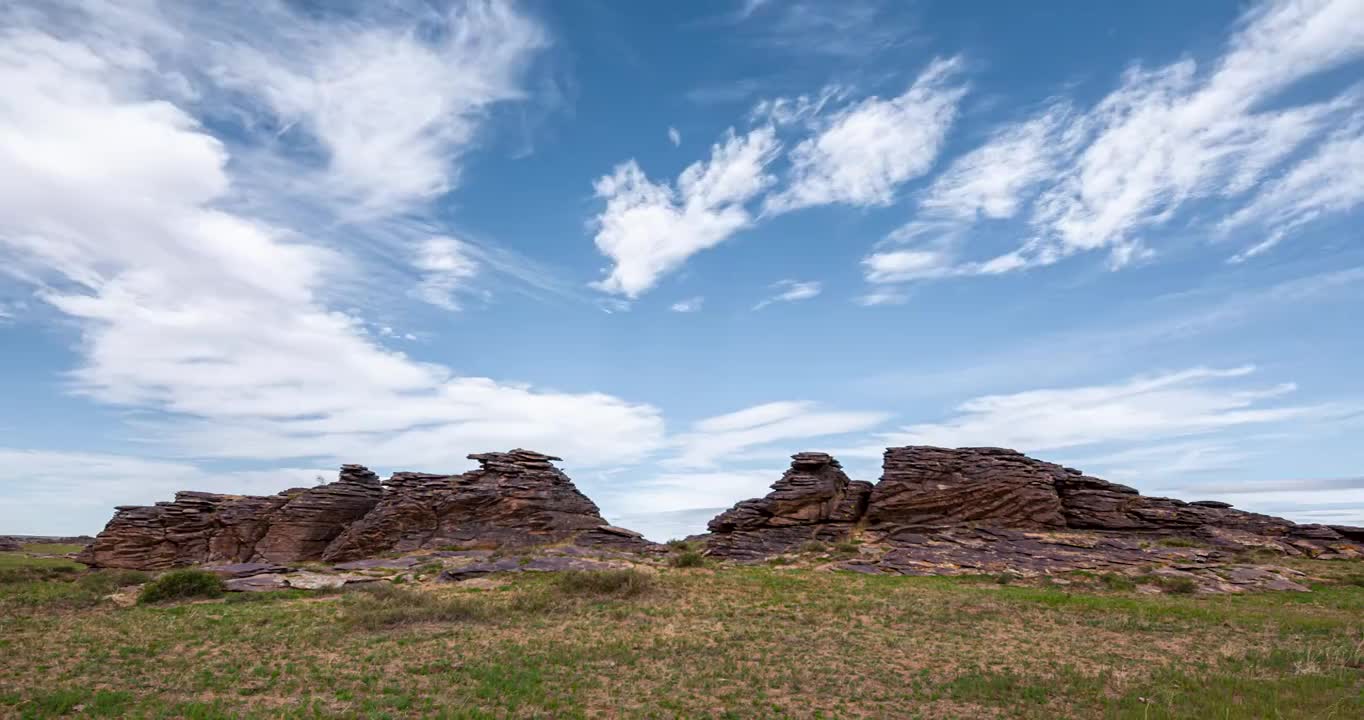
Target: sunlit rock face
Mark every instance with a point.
(514, 498)
(942, 510)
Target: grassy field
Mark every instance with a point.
(705, 642)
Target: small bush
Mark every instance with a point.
(375, 606)
(1005, 578)
(1114, 581)
(604, 583)
(813, 546)
(1357, 580)
(847, 547)
(181, 585)
(1177, 585)
(1180, 542)
(688, 559)
(780, 560)
(683, 546)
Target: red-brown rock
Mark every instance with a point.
(513, 498)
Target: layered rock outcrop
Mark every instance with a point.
(514, 498)
(198, 527)
(813, 500)
(992, 510)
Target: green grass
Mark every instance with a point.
(734, 642)
(52, 548)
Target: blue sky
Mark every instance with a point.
(675, 243)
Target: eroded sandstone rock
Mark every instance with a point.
(513, 498)
(200, 527)
(813, 500)
(992, 510)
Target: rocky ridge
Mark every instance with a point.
(514, 498)
(992, 510)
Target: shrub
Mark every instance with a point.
(847, 547)
(813, 546)
(1356, 580)
(1180, 542)
(1177, 585)
(688, 559)
(1005, 578)
(604, 583)
(683, 545)
(1114, 581)
(375, 606)
(181, 585)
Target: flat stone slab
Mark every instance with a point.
(256, 583)
(400, 563)
(325, 581)
(241, 570)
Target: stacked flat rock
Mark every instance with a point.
(942, 507)
(813, 500)
(514, 498)
(200, 527)
(306, 524)
(931, 487)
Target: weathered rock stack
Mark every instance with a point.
(938, 510)
(514, 498)
(814, 500)
(199, 527)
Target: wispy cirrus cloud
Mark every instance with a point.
(1100, 180)
(1143, 409)
(738, 433)
(791, 291)
(862, 154)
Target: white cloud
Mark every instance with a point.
(445, 265)
(1168, 136)
(649, 229)
(1331, 180)
(394, 97)
(1102, 180)
(674, 136)
(692, 304)
(218, 325)
(1142, 409)
(61, 493)
(883, 297)
(739, 433)
(863, 153)
(791, 291)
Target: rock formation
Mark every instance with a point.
(200, 527)
(939, 510)
(513, 498)
(814, 500)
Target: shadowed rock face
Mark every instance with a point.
(513, 498)
(201, 527)
(991, 509)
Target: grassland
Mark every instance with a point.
(695, 642)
